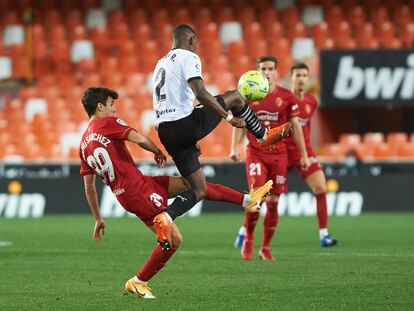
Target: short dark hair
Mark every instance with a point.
(94, 95)
(267, 58)
(298, 66)
(182, 30)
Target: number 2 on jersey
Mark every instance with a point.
(101, 164)
(160, 85)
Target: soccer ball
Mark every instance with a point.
(253, 85)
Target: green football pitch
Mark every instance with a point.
(52, 264)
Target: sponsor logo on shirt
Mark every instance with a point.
(281, 180)
(119, 191)
(122, 122)
(295, 107)
(265, 115)
(160, 113)
(279, 102)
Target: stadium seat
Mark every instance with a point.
(95, 18)
(356, 16)
(236, 50)
(6, 68)
(225, 15)
(182, 16)
(327, 44)
(334, 15)
(230, 32)
(303, 48)
(247, 16)
(87, 66)
(78, 33)
(242, 64)
(280, 48)
(224, 81)
(402, 15)
(13, 34)
(406, 152)
(111, 5)
(73, 19)
(312, 14)
(252, 32)
(284, 65)
(129, 65)
(393, 43)
(290, 17)
(274, 32)
(258, 49)
(379, 16)
(396, 140)
(297, 31)
(372, 139)
(407, 35)
(268, 18)
(34, 106)
(80, 50)
(386, 32)
(320, 32)
(350, 140)
(384, 152)
(142, 33)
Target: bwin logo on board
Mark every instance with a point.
(381, 83)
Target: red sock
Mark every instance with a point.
(322, 210)
(155, 263)
(270, 222)
(216, 192)
(250, 221)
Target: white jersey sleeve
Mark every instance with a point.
(173, 97)
(192, 67)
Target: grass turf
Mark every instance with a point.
(52, 264)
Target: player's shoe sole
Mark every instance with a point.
(256, 196)
(328, 241)
(265, 254)
(276, 134)
(142, 290)
(247, 249)
(163, 227)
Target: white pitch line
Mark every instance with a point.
(5, 243)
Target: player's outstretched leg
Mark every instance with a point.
(240, 109)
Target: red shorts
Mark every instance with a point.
(260, 168)
(148, 201)
(294, 161)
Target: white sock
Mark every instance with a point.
(323, 232)
(242, 230)
(139, 281)
(246, 199)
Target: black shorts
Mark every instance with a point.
(180, 137)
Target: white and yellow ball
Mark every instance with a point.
(253, 85)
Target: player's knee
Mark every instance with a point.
(201, 193)
(233, 100)
(319, 189)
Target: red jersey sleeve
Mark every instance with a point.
(117, 129)
(293, 107)
(85, 169)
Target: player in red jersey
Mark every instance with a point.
(314, 175)
(102, 152)
(278, 107)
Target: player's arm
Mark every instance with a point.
(206, 99)
(92, 198)
(147, 144)
(236, 143)
(300, 141)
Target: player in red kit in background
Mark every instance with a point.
(314, 175)
(103, 152)
(278, 107)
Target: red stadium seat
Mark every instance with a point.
(117, 17)
(396, 140)
(280, 48)
(406, 152)
(87, 66)
(241, 65)
(342, 32)
(393, 43)
(224, 81)
(356, 16)
(61, 51)
(274, 32)
(386, 32)
(290, 17)
(268, 18)
(333, 152)
(407, 35)
(182, 16)
(373, 139)
(93, 79)
(320, 32)
(379, 16)
(73, 19)
(384, 151)
(403, 15)
(78, 32)
(297, 31)
(120, 33)
(259, 48)
(225, 14)
(137, 18)
(252, 32)
(350, 140)
(143, 33)
(247, 16)
(129, 65)
(327, 44)
(203, 17)
(209, 32)
(236, 50)
(334, 15)
(284, 65)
